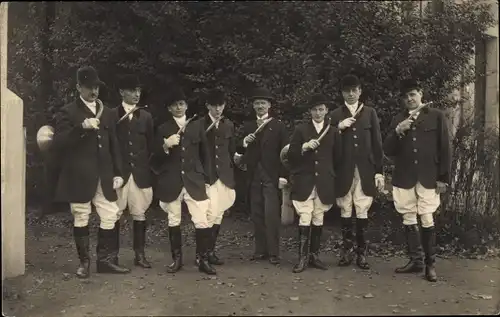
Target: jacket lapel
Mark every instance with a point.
(421, 116)
(87, 112)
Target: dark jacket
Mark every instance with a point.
(423, 154)
(222, 146)
(186, 165)
(265, 149)
(313, 168)
(86, 156)
(360, 145)
(136, 141)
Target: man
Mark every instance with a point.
(419, 143)
(262, 158)
(183, 160)
(91, 171)
(221, 144)
(359, 170)
(312, 179)
(135, 136)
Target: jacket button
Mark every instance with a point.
(182, 172)
(183, 148)
(316, 173)
(130, 143)
(414, 128)
(216, 166)
(353, 129)
(216, 147)
(415, 150)
(100, 145)
(416, 162)
(132, 164)
(98, 136)
(216, 156)
(355, 144)
(414, 139)
(316, 151)
(355, 136)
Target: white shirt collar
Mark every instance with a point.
(352, 108)
(318, 126)
(264, 117)
(180, 121)
(213, 120)
(91, 105)
(127, 108)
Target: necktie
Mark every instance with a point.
(260, 122)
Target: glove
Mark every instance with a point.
(248, 139)
(311, 145)
(403, 126)
(282, 183)
(441, 187)
(90, 124)
(380, 182)
(346, 123)
(117, 182)
(172, 140)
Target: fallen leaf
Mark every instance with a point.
(369, 295)
(321, 283)
(294, 298)
(232, 294)
(329, 289)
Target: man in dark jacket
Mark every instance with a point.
(419, 143)
(359, 171)
(91, 171)
(221, 144)
(182, 161)
(135, 136)
(266, 173)
(312, 179)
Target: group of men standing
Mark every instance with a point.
(107, 156)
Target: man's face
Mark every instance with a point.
(319, 112)
(351, 94)
(178, 108)
(216, 110)
(131, 96)
(413, 98)
(261, 106)
(88, 94)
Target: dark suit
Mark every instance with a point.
(136, 141)
(87, 156)
(313, 168)
(360, 145)
(423, 154)
(264, 167)
(186, 165)
(222, 146)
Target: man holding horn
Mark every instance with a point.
(311, 156)
(359, 170)
(134, 127)
(419, 143)
(91, 171)
(264, 138)
(182, 161)
(222, 147)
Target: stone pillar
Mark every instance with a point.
(13, 158)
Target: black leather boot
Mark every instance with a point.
(414, 249)
(314, 260)
(429, 243)
(361, 225)
(174, 235)
(81, 236)
(346, 255)
(212, 256)
(139, 243)
(203, 239)
(107, 250)
(304, 234)
(117, 231)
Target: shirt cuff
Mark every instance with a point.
(379, 176)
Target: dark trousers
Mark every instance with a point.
(265, 210)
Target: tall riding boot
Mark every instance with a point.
(212, 256)
(139, 243)
(81, 235)
(429, 242)
(314, 260)
(107, 250)
(204, 239)
(175, 237)
(414, 249)
(346, 255)
(304, 234)
(361, 225)
(197, 256)
(117, 231)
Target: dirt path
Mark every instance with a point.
(49, 287)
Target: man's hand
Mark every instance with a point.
(380, 182)
(172, 140)
(90, 124)
(346, 123)
(249, 139)
(404, 126)
(311, 145)
(207, 186)
(117, 182)
(441, 187)
(282, 183)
